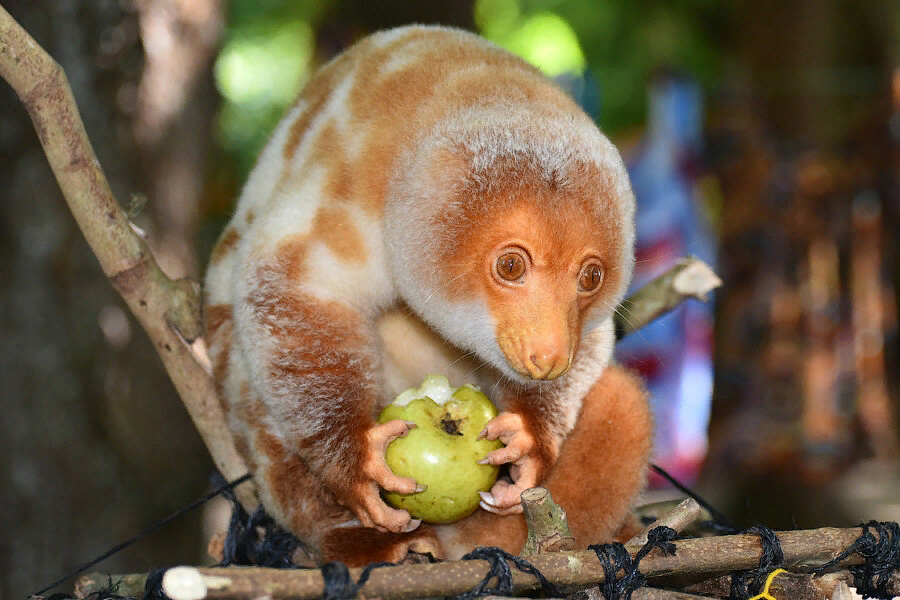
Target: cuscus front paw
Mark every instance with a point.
(504, 498)
(369, 508)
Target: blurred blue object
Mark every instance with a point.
(674, 354)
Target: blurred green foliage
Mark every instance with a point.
(620, 42)
(266, 57)
(270, 50)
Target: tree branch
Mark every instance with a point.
(686, 513)
(689, 278)
(169, 311)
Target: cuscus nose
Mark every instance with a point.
(548, 362)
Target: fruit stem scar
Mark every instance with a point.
(450, 425)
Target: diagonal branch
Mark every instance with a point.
(169, 311)
(689, 278)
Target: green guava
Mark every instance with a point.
(442, 451)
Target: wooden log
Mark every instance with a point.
(710, 556)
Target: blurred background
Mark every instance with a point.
(761, 136)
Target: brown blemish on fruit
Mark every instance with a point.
(450, 425)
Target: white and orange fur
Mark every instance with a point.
(430, 204)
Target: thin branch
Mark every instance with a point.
(794, 586)
(169, 311)
(689, 278)
(680, 517)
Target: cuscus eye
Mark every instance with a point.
(510, 266)
(591, 277)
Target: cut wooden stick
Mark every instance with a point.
(689, 278)
(548, 528)
(169, 311)
(709, 556)
(686, 513)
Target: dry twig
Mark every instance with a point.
(793, 586)
(686, 513)
(689, 278)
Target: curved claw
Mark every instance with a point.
(501, 456)
(374, 513)
(505, 497)
(503, 427)
(490, 504)
(509, 428)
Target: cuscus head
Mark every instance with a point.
(523, 246)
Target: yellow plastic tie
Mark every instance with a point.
(765, 593)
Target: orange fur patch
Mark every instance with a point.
(289, 260)
(333, 226)
(215, 315)
(330, 352)
(219, 330)
(311, 509)
(229, 239)
(316, 93)
(559, 232)
(329, 150)
(558, 225)
(603, 463)
(340, 181)
(374, 171)
(359, 546)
